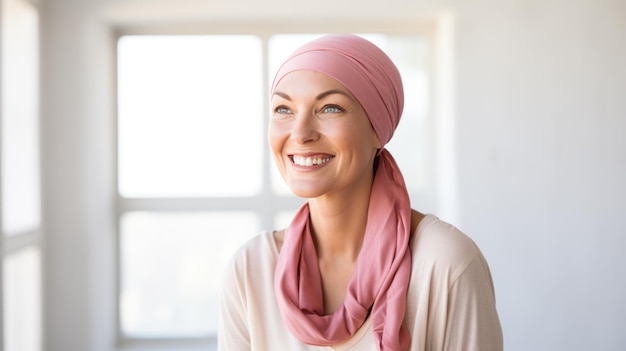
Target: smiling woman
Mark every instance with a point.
(357, 268)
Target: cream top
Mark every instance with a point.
(450, 303)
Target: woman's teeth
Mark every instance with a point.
(310, 161)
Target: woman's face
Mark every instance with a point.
(321, 139)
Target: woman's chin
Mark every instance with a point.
(306, 191)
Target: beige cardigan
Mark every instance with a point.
(450, 304)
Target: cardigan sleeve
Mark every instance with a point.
(472, 322)
(233, 334)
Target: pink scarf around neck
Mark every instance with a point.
(379, 284)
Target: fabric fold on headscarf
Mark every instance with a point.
(379, 285)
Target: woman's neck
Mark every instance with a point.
(338, 224)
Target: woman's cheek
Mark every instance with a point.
(277, 135)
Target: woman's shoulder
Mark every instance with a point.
(256, 254)
(439, 245)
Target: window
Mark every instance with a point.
(195, 175)
(190, 140)
(19, 174)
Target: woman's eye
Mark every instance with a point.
(332, 109)
(282, 110)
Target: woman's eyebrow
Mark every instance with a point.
(282, 95)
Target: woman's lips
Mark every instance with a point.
(309, 161)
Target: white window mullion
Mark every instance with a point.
(252, 203)
(20, 241)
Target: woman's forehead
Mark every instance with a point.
(310, 82)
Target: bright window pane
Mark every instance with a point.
(190, 116)
(19, 116)
(171, 268)
(22, 308)
(410, 143)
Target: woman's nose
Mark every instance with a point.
(304, 128)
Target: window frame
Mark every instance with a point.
(30, 238)
(266, 204)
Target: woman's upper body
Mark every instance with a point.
(346, 263)
(450, 301)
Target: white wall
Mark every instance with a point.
(77, 181)
(540, 118)
(542, 163)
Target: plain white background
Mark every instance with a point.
(538, 106)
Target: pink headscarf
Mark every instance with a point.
(379, 285)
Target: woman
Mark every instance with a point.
(357, 269)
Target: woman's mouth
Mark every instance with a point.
(308, 161)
